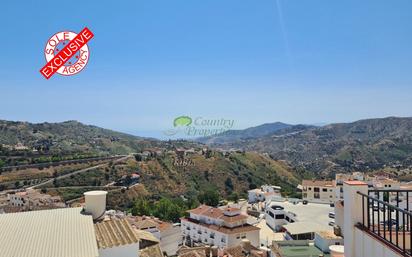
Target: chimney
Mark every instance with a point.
(246, 245)
(214, 251)
(207, 250)
(95, 203)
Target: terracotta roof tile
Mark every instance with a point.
(319, 183)
(225, 230)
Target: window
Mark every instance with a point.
(280, 216)
(324, 190)
(316, 189)
(212, 235)
(309, 188)
(243, 236)
(271, 214)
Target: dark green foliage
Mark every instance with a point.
(209, 197)
(165, 209)
(233, 197)
(229, 185)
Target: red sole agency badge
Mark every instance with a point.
(66, 53)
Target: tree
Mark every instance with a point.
(138, 157)
(229, 185)
(131, 164)
(209, 197)
(233, 197)
(142, 207)
(165, 209)
(252, 186)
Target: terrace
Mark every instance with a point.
(387, 217)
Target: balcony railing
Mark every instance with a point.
(386, 215)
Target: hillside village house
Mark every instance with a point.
(263, 193)
(341, 177)
(219, 227)
(33, 200)
(245, 249)
(74, 232)
(169, 234)
(318, 191)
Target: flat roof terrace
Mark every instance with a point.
(317, 215)
(299, 251)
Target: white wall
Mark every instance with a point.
(252, 236)
(367, 246)
(171, 239)
(131, 250)
(339, 215)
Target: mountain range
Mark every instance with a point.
(70, 137)
(363, 145)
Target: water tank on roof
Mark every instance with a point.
(337, 250)
(95, 203)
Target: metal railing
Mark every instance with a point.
(387, 216)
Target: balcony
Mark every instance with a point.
(388, 220)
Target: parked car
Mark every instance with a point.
(391, 222)
(332, 224)
(277, 207)
(331, 215)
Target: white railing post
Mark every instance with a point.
(352, 213)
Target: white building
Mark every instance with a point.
(318, 191)
(219, 227)
(341, 177)
(263, 193)
(324, 239)
(169, 235)
(72, 232)
(33, 200)
(48, 233)
(298, 221)
(116, 238)
(366, 229)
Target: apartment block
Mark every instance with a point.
(318, 191)
(223, 228)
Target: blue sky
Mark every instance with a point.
(296, 61)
